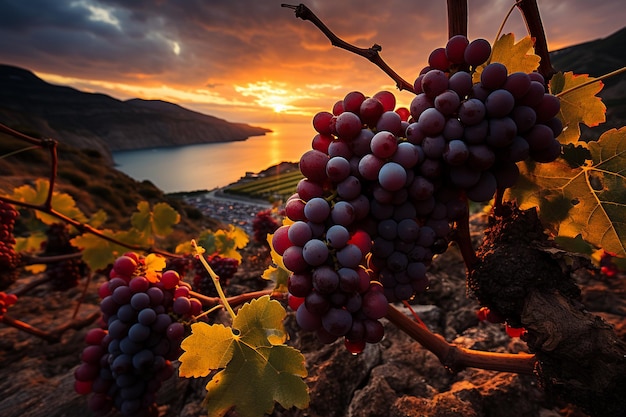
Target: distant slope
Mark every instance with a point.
(597, 58)
(100, 122)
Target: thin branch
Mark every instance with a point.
(457, 358)
(53, 336)
(237, 299)
(85, 228)
(372, 54)
(592, 81)
(21, 136)
(36, 260)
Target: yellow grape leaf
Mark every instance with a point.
(238, 236)
(589, 200)
(31, 244)
(184, 248)
(276, 258)
(61, 202)
(516, 57)
(208, 347)
(261, 322)
(154, 263)
(577, 106)
(279, 276)
(98, 252)
(255, 368)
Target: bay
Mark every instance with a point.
(210, 166)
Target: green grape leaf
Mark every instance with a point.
(158, 221)
(577, 106)
(255, 368)
(515, 57)
(164, 217)
(589, 200)
(97, 219)
(142, 218)
(255, 378)
(61, 202)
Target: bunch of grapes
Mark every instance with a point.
(263, 224)
(67, 273)
(225, 268)
(9, 259)
(383, 187)
(129, 357)
(6, 301)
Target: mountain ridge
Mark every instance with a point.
(100, 122)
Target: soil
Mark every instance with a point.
(394, 378)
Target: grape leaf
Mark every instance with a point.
(261, 322)
(31, 244)
(255, 368)
(224, 242)
(163, 218)
(279, 276)
(98, 252)
(208, 347)
(276, 258)
(515, 57)
(255, 378)
(61, 202)
(159, 221)
(577, 106)
(589, 200)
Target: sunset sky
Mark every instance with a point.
(252, 60)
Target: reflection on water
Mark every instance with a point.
(199, 167)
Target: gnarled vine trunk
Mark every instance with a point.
(579, 356)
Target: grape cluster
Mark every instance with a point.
(9, 259)
(67, 273)
(6, 301)
(263, 224)
(128, 358)
(224, 267)
(476, 133)
(384, 186)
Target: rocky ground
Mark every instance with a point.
(394, 378)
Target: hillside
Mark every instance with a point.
(100, 122)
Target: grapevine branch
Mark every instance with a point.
(457, 358)
(54, 335)
(372, 53)
(237, 299)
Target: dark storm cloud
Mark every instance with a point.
(225, 45)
